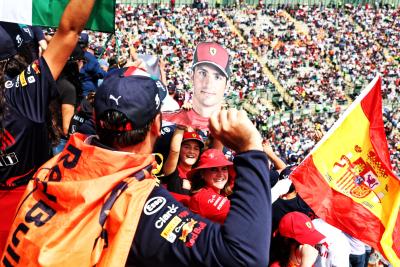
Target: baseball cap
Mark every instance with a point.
(212, 53)
(84, 38)
(77, 54)
(12, 37)
(187, 136)
(285, 173)
(209, 159)
(134, 94)
(299, 226)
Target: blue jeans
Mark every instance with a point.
(357, 260)
(58, 148)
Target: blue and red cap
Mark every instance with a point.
(132, 92)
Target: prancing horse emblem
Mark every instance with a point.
(115, 99)
(213, 51)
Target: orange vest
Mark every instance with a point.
(81, 209)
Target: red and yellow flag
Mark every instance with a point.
(348, 181)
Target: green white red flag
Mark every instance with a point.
(48, 13)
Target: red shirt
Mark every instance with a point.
(188, 118)
(210, 204)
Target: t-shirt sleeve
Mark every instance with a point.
(38, 33)
(31, 91)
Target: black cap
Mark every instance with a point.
(77, 54)
(12, 38)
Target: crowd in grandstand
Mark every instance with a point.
(320, 57)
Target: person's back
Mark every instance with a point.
(26, 145)
(90, 73)
(334, 250)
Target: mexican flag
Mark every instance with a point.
(48, 13)
(348, 181)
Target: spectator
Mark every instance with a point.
(25, 99)
(170, 103)
(357, 252)
(39, 40)
(295, 241)
(289, 202)
(212, 183)
(334, 250)
(184, 153)
(68, 88)
(91, 71)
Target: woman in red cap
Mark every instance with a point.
(212, 182)
(184, 152)
(294, 244)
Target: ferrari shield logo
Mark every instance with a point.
(213, 51)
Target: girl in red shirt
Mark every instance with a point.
(212, 182)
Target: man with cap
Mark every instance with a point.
(102, 191)
(25, 92)
(210, 74)
(90, 72)
(210, 79)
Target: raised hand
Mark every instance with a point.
(235, 130)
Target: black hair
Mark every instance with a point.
(281, 248)
(109, 125)
(18, 62)
(10, 68)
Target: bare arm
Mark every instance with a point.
(172, 161)
(163, 73)
(277, 161)
(67, 111)
(308, 255)
(72, 22)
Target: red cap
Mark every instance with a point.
(193, 136)
(298, 226)
(209, 159)
(214, 54)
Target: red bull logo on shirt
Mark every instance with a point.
(187, 229)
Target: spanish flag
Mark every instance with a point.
(347, 178)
